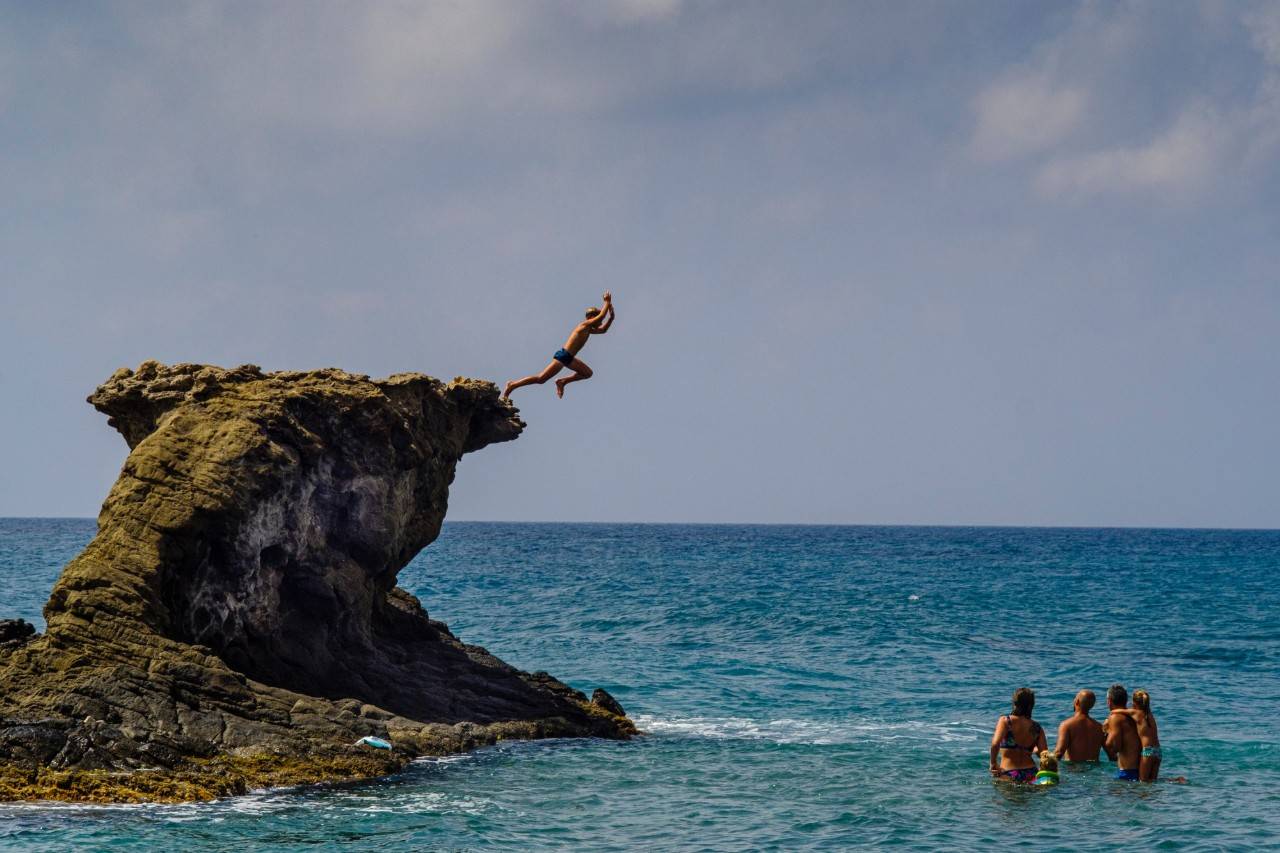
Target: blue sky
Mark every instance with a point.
(925, 263)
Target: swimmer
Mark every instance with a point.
(1148, 735)
(1080, 736)
(1122, 744)
(1019, 737)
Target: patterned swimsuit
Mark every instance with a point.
(1021, 774)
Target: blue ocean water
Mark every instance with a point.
(802, 687)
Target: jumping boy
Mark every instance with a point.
(597, 323)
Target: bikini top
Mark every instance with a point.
(1010, 743)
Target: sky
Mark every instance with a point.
(873, 263)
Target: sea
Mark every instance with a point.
(800, 688)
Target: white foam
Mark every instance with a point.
(794, 731)
(382, 801)
(443, 759)
(268, 801)
(19, 808)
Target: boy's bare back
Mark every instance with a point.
(578, 337)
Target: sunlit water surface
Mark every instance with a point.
(802, 688)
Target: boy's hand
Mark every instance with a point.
(608, 297)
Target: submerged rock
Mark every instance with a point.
(601, 698)
(236, 623)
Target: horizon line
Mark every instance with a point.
(985, 525)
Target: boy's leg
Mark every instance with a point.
(580, 372)
(535, 379)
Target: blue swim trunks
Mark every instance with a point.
(1127, 775)
(564, 357)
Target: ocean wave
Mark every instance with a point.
(788, 730)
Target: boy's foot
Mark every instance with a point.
(560, 387)
(506, 392)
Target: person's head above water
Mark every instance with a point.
(592, 312)
(1117, 696)
(1142, 701)
(1048, 761)
(1084, 701)
(1024, 699)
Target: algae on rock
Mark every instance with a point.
(236, 623)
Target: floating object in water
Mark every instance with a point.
(913, 597)
(375, 742)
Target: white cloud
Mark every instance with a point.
(1263, 132)
(1024, 115)
(1263, 23)
(1205, 142)
(412, 66)
(1091, 119)
(1181, 158)
(376, 67)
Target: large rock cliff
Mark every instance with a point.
(236, 622)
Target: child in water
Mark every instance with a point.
(1148, 735)
(1048, 774)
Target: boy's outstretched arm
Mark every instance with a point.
(597, 324)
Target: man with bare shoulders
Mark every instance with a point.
(1122, 743)
(597, 323)
(1080, 736)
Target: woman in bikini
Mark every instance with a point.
(1019, 737)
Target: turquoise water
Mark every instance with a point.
(803, 688)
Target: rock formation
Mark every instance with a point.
(235, 622)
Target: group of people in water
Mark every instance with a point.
(1129, 736)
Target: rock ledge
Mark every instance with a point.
(235, 623)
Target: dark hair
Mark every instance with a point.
(1117, 695)
(1024, 699)
(592, 312)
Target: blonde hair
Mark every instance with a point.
(592, 312)
(1048, 761)
(1142, 701)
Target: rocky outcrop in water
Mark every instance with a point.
(235, 622)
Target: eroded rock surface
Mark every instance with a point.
(235, 622)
